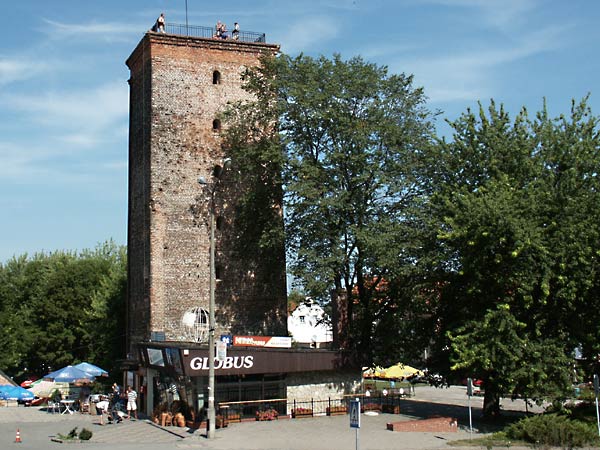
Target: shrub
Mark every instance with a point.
(85, 434)
(553, 430)
(69, 437)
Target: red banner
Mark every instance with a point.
(263, 341)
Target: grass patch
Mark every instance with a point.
(540, 431)
(495, 440)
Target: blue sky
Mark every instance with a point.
(64, 92)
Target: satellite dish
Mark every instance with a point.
(195, 324)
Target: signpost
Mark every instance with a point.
(470, 393)
(355, 417)
(596, 389)
(221, 351)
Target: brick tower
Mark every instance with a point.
(178, 86)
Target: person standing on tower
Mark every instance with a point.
(160, 23)
(235, 34)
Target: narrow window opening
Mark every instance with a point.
(216, 125)
(216, 77)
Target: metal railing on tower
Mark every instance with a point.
(210, 32)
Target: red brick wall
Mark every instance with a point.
(434, 425)
(173, 103)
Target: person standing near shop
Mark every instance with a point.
(131, 402)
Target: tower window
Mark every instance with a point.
(216, 77)
(219, 223)
(216, 125)
(217, 171)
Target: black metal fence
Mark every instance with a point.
(209, 32)
(273, 409)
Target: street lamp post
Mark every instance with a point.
(211, 325)
(211, 414)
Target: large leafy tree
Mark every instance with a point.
(61, 308)
(516, 232)
(346, 136)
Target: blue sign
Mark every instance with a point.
(227, 338)
(355, 414)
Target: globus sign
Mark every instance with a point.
(229, 362)
(247, 360)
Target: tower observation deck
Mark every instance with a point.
(210, 32)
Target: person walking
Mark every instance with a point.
(104, 407)
(131, 402)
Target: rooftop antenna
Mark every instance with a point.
(187, 33)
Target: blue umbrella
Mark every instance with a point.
(8, 392)
(91, 369)
(70, 374)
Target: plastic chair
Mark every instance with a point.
(53, 407)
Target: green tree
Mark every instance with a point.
(515, 248)
(346, 136)
(62, 308)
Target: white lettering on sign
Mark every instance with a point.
(263, 341)
(230, 362)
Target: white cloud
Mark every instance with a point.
(107, 31)
(63, 134)
(81, 117)
(17, 69)
(303, 34)
(498, 13)
(470, 74)
(29, 162)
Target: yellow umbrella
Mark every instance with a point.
(397, 371)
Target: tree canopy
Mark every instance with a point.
(515, 232)
(61, 308)
(481, 249)
(345, 136)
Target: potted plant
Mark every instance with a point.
(301, 412)
(336, 410)
(267, 414)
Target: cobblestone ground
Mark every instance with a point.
(36, 428)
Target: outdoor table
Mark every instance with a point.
(68, 404)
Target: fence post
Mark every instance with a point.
(312, 405)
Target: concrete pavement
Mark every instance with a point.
(330, 433)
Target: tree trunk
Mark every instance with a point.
(491, 404)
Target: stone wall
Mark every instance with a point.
(179, 85)
(321, 386)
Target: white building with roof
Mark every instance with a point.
(309, 325)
